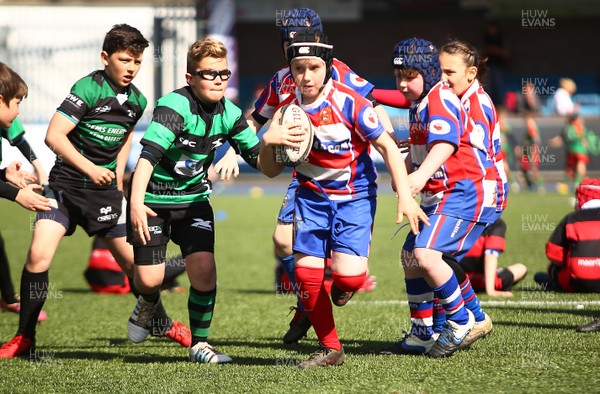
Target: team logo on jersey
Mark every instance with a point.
(370, 118)
(188, 167)
(100, 110)
(325, 116)
(439, 127)
(185, 141)
(357, 81)
(286, 200)
(71, 98)
(202, 224)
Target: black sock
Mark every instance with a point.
(134, 290)
(7, 290)
(34, 291)
(152, 297)
(161, 322)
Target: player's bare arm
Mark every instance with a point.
(436, 156)
(407, 206)
(288, 134)
(490, 265)
(139, 211)
(18, 177)
(30, 198)
(385, 120)
(228, 165)
(122, 158)
(56, 139)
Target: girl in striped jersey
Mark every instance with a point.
(463, 69)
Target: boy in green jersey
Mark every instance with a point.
(170, 191)
(15, 135)
(91, 136)
(12, 90)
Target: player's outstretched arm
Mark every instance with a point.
(288, 134)
(28, 198)
(437, 156)
(490, 266)
(56, 139)
(18, 177)
(407, 206)
(138, 210)
(122, 158)
(228, 165)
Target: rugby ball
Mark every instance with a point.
(293, 156)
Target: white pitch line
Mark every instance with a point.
(491, 302)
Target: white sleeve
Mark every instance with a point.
(563, 105)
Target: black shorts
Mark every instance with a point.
(192, 228)
(97, 211)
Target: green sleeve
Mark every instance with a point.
(168, 121)
(15, 131)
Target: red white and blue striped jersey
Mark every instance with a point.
(480, 108)
(344, 122)
(457, 188)
(282, 85)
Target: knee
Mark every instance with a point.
(38, 256)
(282, 240)
(520, 270)
(147, 283)
(347, 282)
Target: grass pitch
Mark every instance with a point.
(83, 346)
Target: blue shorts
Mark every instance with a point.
(286, 213)
(322, 225)
(446, 234)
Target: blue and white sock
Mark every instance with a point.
(471, 300)
(420, 302)
(452, 301)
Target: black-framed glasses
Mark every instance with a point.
(211, 75)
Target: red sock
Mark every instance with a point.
(317, 305)
(348, 283)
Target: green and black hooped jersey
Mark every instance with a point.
(103, 116)
(181, 141)
(13, 134)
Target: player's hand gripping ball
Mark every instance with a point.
(293, 156)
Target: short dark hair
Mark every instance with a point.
(124, 38)
(11, 84)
